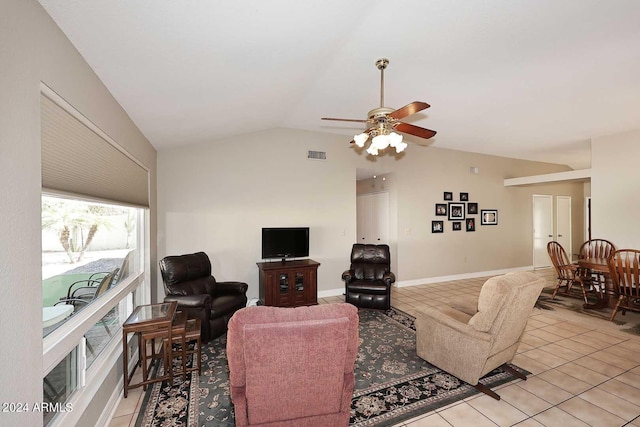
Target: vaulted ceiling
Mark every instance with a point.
(532, 79)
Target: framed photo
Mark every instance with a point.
(471, 224)
(472, 208)
(437, 226)
(456, 225)
(489, 217)
(464, 197)
(441, 209)
(456, 211)
(448, 195)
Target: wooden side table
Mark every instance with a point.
(176, 333)
(191, 335)
(146, 318)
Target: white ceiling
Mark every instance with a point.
(532, 79)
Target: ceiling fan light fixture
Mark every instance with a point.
(394, 139)
(383, 121)
(361, 139)
(380, 142)
(401, 146)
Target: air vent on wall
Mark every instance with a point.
(316, 155)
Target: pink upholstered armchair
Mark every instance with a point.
(293, 366)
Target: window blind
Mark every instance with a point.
(77, 160)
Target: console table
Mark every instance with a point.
(289, 283)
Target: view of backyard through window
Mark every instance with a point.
(88, 249)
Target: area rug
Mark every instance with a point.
(629, 322)
(392, 383)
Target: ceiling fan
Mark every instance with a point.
(384, 121)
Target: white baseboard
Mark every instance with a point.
(405, 283)
(331, 293)
(473, 275)
(112, 405)
(117, 395)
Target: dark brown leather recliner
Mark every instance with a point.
(368, 280)
(188, 281)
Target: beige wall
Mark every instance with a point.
(216, 197)
(615, 188)
(422, 177)
(33, 49)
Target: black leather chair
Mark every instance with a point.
(188, 281)
(368, 280)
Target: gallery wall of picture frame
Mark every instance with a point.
(459, 212)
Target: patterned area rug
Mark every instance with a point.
(392, 383)
(628, 322)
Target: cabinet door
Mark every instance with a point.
(300, 286)
(283, 289)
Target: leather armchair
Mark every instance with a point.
(368, 280)
(293, 366)
(188, 281)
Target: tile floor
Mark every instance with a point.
(585, 371)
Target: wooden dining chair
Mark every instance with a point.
(595, 248)
(624, 267)
(566, 271)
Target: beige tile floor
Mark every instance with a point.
(585, 371)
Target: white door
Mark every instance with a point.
(380, 218)
(373, 218)
(542, 229)
(563, 223)
(363, 208)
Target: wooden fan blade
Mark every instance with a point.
(414, 130)
(344, 120)
(409, 109)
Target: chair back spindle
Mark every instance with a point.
(597, 248)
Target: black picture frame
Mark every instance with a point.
(464, 197)
(489, 217)
(470, 224)
(437, 226)
(441, 209)
(472, 208)
(456, 225)
(455, 211)
(448, 195)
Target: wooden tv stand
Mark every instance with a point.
(289, 283)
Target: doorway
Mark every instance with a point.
(542, 229)
(587, 216)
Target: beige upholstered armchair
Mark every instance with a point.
(477, 336)
(293, 366)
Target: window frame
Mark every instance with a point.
(71, 335)
(64, 339)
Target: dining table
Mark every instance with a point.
(601, 266)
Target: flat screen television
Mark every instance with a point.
(285, 242)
